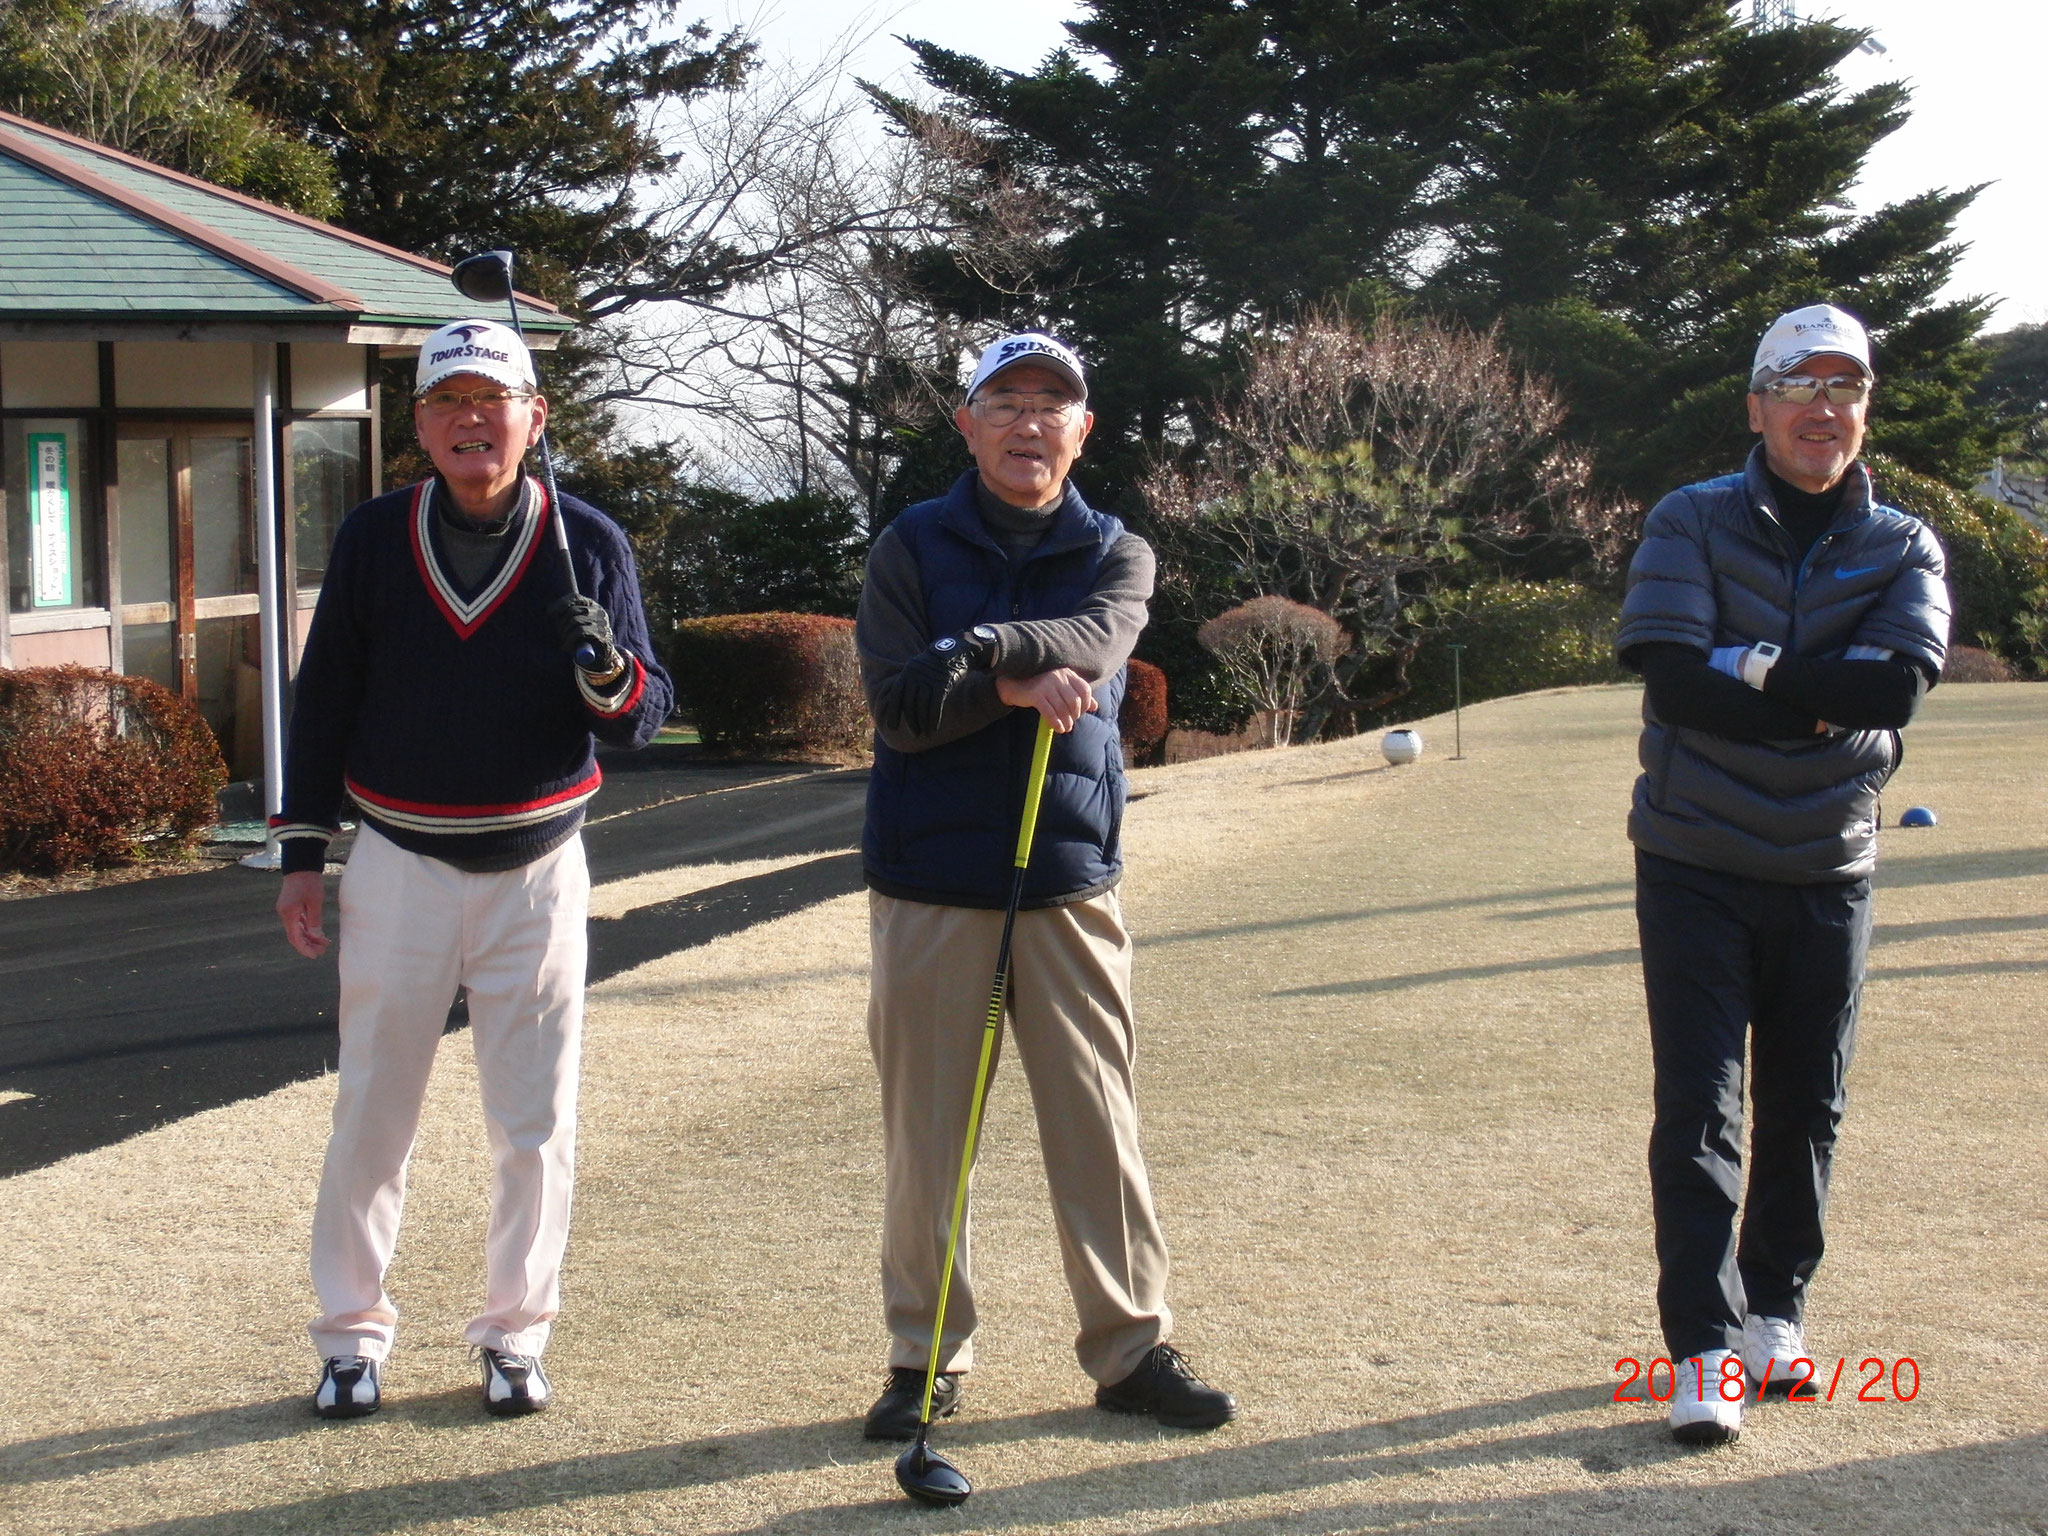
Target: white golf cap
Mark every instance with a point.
(482, 347)
(1809, 332)
(1030, 347)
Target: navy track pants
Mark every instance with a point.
(1724, 958)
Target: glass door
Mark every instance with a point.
(189, 605)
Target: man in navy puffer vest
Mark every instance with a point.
(1007, 599)
(1786, 626)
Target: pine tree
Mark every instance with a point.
(464, 125)
(457, 126)
(1634, 187)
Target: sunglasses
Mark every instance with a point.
(1801, 390)
(443, 401)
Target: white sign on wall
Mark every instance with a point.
(49, 513)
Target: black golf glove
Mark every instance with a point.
(581, 621)
(933, 673)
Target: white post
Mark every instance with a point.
(272, 591)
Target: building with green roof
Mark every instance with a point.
(188, 406)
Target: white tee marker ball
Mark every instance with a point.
(1402, 746)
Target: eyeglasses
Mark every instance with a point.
(1006, 410)
(443, 401)
(1801, 390)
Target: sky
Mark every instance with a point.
(1976, 68)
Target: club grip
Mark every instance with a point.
(1034, 791)
(586, 656)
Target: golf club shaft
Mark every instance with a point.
(586, 653)
(992, 1026)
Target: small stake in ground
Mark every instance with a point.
(1458, 700)
(921, 1471)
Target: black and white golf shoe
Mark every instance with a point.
(348, 1388)
(513, 1384)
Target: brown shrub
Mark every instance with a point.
(96, 770)
(1143, 721)
(1272, 649)
(760, 681)
(1968, 664)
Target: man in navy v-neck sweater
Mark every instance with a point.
(437, 694)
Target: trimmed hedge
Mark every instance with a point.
(1143, 721)
(771, 681)
(1519, 636)
(1997, 565)
(98, 770)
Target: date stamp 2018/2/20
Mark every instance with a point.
(1900, 1376)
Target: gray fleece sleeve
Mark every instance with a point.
(889, 629)
(1098, 638)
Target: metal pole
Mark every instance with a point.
(271, 595)
(1458, 700)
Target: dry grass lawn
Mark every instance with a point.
(1396, 1087)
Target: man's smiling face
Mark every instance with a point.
(1812, 445)
(479, 450)
(1026, 462)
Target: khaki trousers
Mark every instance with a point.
(1070, 1014)
(412, 930)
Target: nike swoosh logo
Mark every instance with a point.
(1846, 571)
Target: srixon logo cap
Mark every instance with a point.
(1030, 347)
(482, 347)
(1809, 332)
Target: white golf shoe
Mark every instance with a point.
(1701, 1411)
(1770, 1346)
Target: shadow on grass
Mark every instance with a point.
(1984, 1486)
(1463, 973)
(1238, 1466)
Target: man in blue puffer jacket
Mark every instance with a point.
(1008, 599)
(1786, 626)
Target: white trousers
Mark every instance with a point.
(412, 930)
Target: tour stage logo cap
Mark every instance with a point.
(1809, 332)
(482, 347)
(1030, 347)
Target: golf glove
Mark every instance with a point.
(580, 621)
(933, 673)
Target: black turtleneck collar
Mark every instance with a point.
(1805, 514)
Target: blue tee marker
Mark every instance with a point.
(1918, 816)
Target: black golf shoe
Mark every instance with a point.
(1164, 1387)
(348, 1388)
(897, 1411)
(513, 1384)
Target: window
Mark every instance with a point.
(327, 479)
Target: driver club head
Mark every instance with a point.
(929, 1478)
(485, 277)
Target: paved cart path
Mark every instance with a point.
(1395, 1087)
(132, 1006)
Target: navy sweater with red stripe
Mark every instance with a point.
(453, 718)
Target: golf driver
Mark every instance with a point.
(487, 278)
(921, 1471)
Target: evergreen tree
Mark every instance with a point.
(1635, 187)
(1642, 185)
(153, 81)
(457, 126)
(464, 125)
